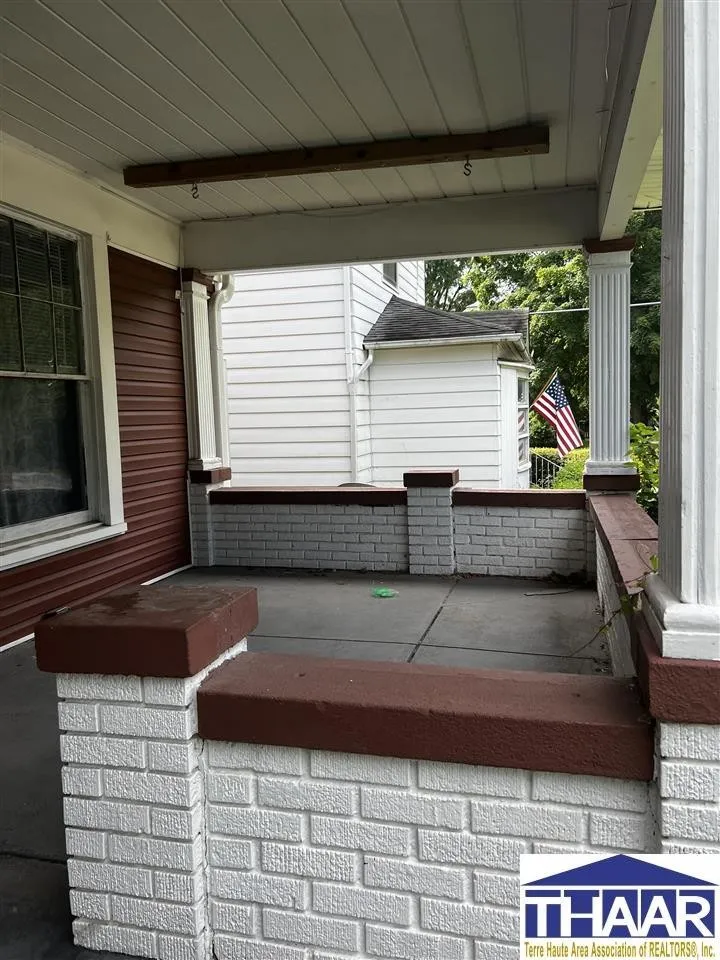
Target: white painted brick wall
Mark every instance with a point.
(200, 512)
(391, 858)
(520, 541)
(428, 536)
(133, 803)
(311, 537)
(688, 760)
(618, 631)
(430, 530)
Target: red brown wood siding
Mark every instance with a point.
(153, 443)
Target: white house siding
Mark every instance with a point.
(435, 407)
(288, 407)
(284, 347)
(369, 295)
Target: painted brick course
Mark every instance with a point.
(688, 758)
(133, 810)
(520, 541)
(618, 631)
(274, 853)
(422, 862)
(311, 536)
(428, 536)
(430, 530)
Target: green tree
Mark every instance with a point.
(557, 280)
(446, 287)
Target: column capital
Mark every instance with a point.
(593, 245)
(190, 275)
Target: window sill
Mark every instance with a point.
(49, 545)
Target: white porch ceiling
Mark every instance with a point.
(102, 84)
(651, 188)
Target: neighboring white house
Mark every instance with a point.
(339, 374)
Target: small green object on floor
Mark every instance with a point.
(382, 592)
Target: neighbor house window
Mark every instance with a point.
(45, 401)
(523, 420)
(390, 273)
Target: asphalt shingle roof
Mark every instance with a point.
(402, 320)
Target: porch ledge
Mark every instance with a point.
(552, 722)
(218, 475)
(555, 499)
(676, 690)
(431, 478)
(369, 496)
(629, 536)
(154, 631)
(611, 482)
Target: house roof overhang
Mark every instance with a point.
(103, 87)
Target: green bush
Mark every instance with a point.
(550, 453)
(645, 454)
(541, 433)
(570, 475)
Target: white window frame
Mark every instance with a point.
(524, 405)
(393, 284)
(103, 517)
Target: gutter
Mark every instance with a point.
(447, 341)
(224, 289)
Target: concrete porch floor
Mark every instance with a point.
(482, 622)
(503, 624)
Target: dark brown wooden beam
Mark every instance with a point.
(511, 142)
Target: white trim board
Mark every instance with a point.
(405, 231)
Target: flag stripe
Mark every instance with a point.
(553, 406)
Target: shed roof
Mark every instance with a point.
(403, 321)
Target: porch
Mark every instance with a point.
(494, 623)
(244, 805)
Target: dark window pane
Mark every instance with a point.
(390, 272)
(10, 351)
(7, 258)
(63, 270)
(42, 473)
(37, 331)
(68, 340)
(33, 268)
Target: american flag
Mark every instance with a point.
(554, 406)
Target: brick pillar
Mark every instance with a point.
(128, 671)
(431, 546)
(202, 541)
(688, 761)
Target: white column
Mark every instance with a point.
(199, 394)
(609, 277)
(685, 595)
(223, 294)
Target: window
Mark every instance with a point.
(390, 273)
(47, 480)
(523, 420)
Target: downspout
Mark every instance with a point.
(352, 390)
(352, 375)
(350, 372)
(224, 289)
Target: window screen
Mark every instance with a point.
(42, 470)
(390, 273)
(40, 306)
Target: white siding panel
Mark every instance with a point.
(296, 375)
(284, 350)
(270, 310)
(435, 407)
